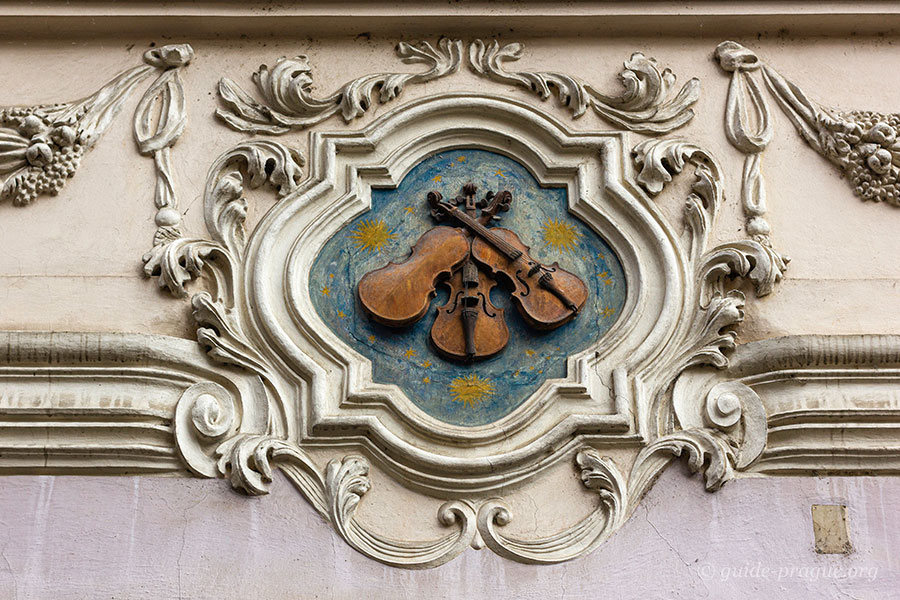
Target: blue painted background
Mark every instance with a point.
(405, 357)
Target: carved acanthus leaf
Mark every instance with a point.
(752, 260)
(225, 208)
(179, 261)
(718, 307)
(289, 103)
(646, 105)
(707, 451)
(250, 460)
(660, 160)
(221, 332)
(599, 474)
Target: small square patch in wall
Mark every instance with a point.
(830, 529)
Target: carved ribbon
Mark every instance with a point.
(749, 133)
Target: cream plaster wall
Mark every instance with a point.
(842, 275)
(73, 262)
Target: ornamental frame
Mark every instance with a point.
(277, 390)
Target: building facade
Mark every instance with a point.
(345, 300)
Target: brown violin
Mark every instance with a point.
(399, 294)
(469, 326)
(546, 296)
(468, 261)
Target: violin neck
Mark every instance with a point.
(511, 252)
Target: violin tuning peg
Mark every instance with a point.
(434, 199)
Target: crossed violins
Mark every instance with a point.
(470, 260)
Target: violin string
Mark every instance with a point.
(511, 252)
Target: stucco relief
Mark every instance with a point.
(619, 403)
(647, 104)
(42, 146)
(863, 144)
(680, 291)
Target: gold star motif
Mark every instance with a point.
(371, 339)
(461, 159)
(372, 235)
(499, 173)
(426, 364)
(471, 389)
(560, 235)
(341, 314)
(437, 178)
(529, 352)
(326, 291)
(409, 209)
(331, 275)
(409, 353)
(426, 380)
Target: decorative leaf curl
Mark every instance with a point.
(289, 104)
(263, 161)
(646, 105)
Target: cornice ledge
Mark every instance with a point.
(103, 403)
(220, 18)
(829, 400)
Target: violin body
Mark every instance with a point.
(399, 294)
(470, 261)
(544, 302)
(488, 334)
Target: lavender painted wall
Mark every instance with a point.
(92, 537)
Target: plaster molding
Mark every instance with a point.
(289, 104)
(829, 401)
(276, 387)
(60, 384)
(213, 18)
(228, 324)
(42, 146)
(103, 402)
(863, 144)
(646, 104)
(681, 312)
